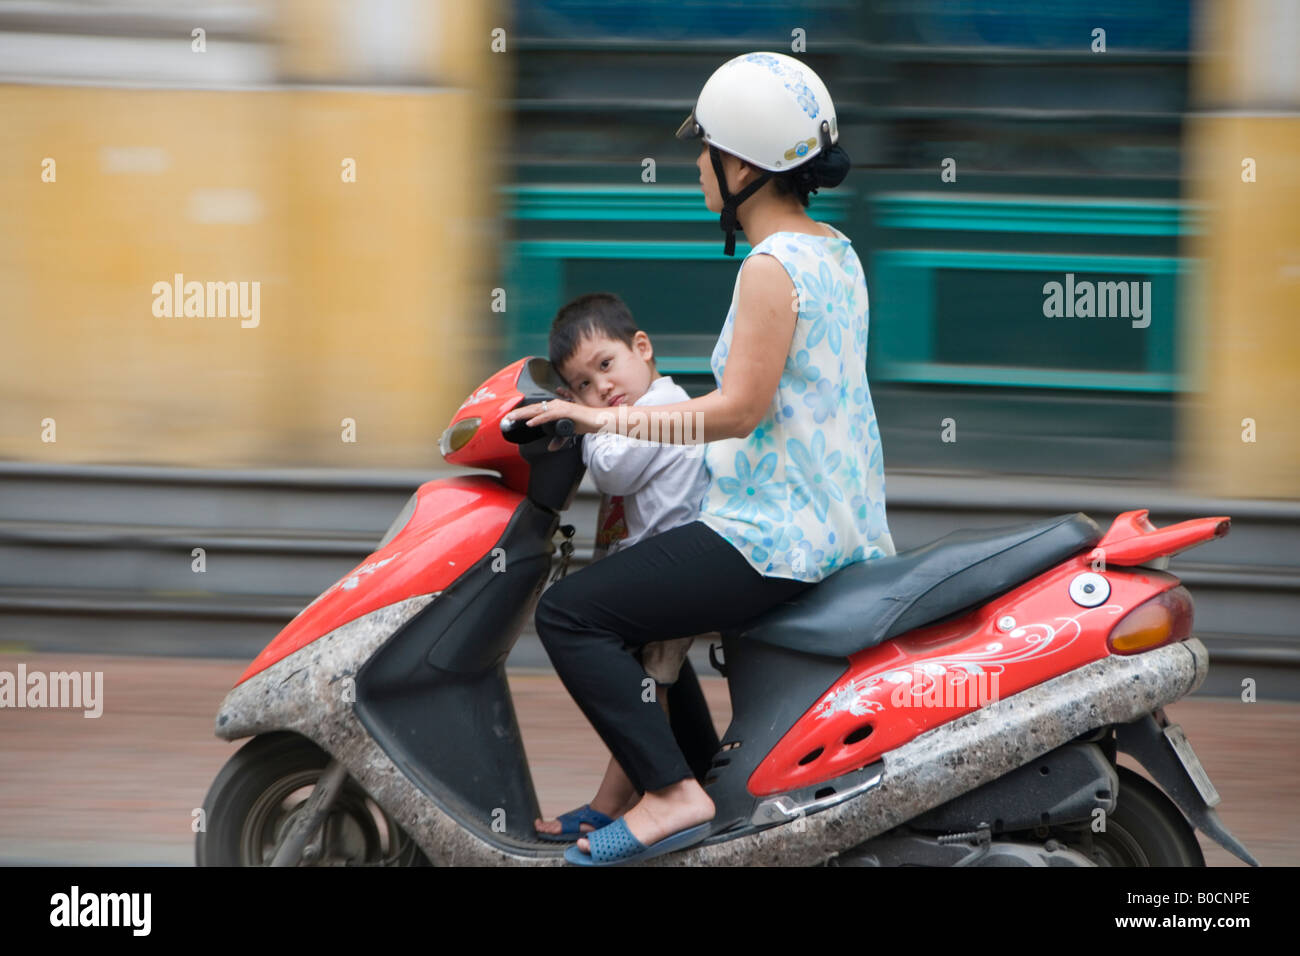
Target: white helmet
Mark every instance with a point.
(771, 111)
(766, 108)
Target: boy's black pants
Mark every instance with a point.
(684, 582)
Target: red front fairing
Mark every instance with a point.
(903, 687)
(488, 449)
(457, 521)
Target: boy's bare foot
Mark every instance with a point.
(661, 813)
(610, 810)
(615, 797)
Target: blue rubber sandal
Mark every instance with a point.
(571, 824)
(615, 844)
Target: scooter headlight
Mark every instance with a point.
(458, 435)
(399, 522)
(1165, 618)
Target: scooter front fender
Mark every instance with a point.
(454, 522)
(312, 687)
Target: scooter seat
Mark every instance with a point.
(871, 601)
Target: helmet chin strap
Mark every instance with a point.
(730, 204)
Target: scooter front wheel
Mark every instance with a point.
(261, 790)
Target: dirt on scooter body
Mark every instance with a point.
(963, 703)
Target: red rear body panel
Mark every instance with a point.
(903, 687)
(457, 521)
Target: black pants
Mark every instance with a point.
(683, 582)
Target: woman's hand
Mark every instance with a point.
(586, 418)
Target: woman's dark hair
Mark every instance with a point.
(596, 313)
(824, 170)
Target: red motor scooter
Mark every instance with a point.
(959, 704)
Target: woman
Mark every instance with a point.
(796, 477)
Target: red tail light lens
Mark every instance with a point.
(1165, 618)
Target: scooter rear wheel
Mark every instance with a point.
(1145, 829)
(260, 789)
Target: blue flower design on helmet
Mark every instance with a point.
(805, 97)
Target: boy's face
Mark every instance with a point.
(604, 372)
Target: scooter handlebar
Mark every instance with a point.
(516, 431)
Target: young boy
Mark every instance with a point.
(648, 487)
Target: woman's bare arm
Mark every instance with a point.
(765, 318)
(764, 327)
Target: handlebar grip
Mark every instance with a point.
(514, 430)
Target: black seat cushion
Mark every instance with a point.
(871, 601)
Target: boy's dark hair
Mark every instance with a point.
(596, 313)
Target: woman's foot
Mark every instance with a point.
(661, 813)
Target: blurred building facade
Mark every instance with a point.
(1241, 433)
(998, 147)
(511, 156)
(336, 156)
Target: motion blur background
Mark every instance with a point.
(501, 167)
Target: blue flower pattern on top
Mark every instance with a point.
(828, 308)
(752, 492)
(824, 401)
(798, 371)
(804, 494)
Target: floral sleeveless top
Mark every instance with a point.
(804, 494)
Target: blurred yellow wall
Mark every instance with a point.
(1247, 300)
(374, 294)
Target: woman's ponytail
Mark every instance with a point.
(831, 167)
(825, 170)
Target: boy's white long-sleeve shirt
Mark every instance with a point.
(661, 484)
